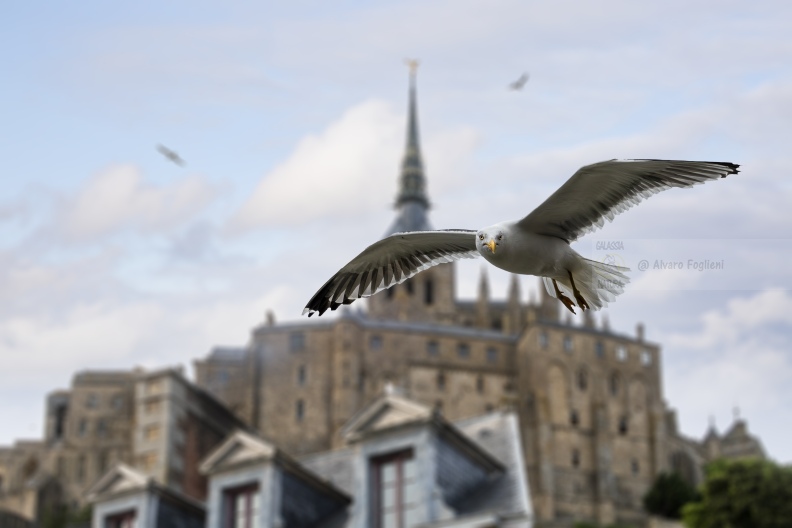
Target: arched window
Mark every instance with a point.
(441, 380)
(429, 291)
(623, 425)
(615, 383)
(646, 358)
(480, 383)
(575, 458)
(599, 349)
(299, 411)
(574, 418)
(432, 348)
(409, 286)
(582, 379)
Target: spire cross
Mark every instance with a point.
(413, 65)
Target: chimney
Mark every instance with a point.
(639, 332)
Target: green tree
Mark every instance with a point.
(667, 496)
(743, 493)
(65, 518)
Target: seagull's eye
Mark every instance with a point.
(481, 236)
(500, 236)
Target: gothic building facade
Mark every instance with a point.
(595, 427)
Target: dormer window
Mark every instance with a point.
(121, 520)
(241, 507)
(395, 492)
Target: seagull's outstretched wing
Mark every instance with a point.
(602, 190)
(390, 261)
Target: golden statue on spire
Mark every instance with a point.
(413, 65)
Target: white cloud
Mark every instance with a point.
(336, 173)
(743, 318)
(119, 198)
(348, 170)
(737, 356)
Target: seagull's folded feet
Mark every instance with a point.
(578, 297)
(563, 298)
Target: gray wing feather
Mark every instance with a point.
(391, 261)
(600, 191)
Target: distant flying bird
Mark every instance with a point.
(519, 83)
(535, 245)
(171, 155)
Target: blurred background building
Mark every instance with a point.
(594, 427)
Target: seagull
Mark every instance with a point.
(538, 244)
(519, 83)
(171, 155)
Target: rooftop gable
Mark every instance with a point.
(387, 412)
(120, 479)
(237, 450)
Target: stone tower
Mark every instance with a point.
(429, 296)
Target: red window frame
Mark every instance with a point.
(376, 465)
(230, 497)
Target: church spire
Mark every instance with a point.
(411, 200)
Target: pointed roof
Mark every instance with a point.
(120, 479)
(412, 201)
(237, 450)
(483, 289)
(387, 412)
(243, 449)
(514, 288)
(391, 411)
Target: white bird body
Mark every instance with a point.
(543, 256)
(538, 244)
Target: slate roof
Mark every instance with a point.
(506, 495)
(498, 433)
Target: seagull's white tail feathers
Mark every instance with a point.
(597, 282)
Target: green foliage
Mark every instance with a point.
(667, 496)
(744, 493)
(63, 518)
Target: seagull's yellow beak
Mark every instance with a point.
(491, 245)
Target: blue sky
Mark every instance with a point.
(291, 121)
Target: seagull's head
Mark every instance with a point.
(490, 241)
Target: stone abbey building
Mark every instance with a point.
(595, 427)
